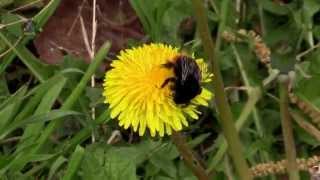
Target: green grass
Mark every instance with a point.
(46, 125)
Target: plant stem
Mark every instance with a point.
(287, 128)
(223, 108)
(188, 156)
(304, 124)
(247, 84)
(221, 144)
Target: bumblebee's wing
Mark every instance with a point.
(189, 67)
(185, 69)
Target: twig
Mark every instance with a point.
(25, 6)
(77, 17)
(94, 29)
(308, 127)
(85, 35)
(92, 53)
(299, 56)
(13, 23)
(115, 137)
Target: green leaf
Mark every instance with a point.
(161, 161)
(151, 170)
(184, 172)
(305, 88)
(107, 162)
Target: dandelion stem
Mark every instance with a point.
(287, 128)
(223, 108)
(188, 156)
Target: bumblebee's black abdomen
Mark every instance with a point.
(184, 93)
(187, 80)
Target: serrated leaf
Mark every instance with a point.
(110, 162)
(165, 164)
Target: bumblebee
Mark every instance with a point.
(186, 81)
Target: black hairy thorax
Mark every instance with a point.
(186, 80)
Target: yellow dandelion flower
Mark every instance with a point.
(134, 90)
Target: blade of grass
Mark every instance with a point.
(18, 95)
(11, 108)
(6, 60)
(6, 114)
(74, 163)
(223, 108)
(20, 159)
(55, 166)
(75, 94)
(136, 5)
(39, 70)
(32, 131)
(37, 93)
(52, 115)
(14, 165)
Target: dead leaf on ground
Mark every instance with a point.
(117, 23)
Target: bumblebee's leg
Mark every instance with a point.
(171, 79)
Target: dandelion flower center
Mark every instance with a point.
(133, 90)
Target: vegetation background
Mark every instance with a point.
(54, 124)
